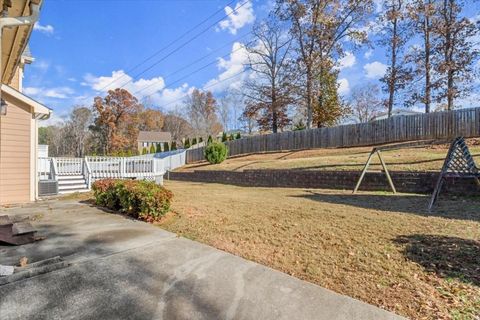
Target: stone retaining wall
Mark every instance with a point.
(408, 182)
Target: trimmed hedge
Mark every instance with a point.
(137, 198)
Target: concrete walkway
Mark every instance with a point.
(126, 269)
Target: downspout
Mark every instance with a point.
(8, 22)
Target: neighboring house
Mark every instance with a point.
(396, 112)
(18, 114)
(148, 138)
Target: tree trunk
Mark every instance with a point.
(393, 70)
(426, 31)
(309, 99)
(448, 7)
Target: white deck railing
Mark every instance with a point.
(151, 167)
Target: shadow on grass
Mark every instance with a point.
(448, 257)
(464, 209)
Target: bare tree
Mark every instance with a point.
(456, 52)
(77, 129)
(269, 90)
(365, 102)
(177, 126)
(423, 15)
(396, 32)
(201, 111)
(224, 111)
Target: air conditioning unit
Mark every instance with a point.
(47, 187)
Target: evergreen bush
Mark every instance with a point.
(152, 149)
(216, 152)
(166, 147)
(224, 137)
(144, 150)
(209, 140)
(238, 136)
(194, 141)
(159, 148)
(174, 145)
(186, 144)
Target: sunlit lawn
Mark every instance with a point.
(382, 249)
(412, 159)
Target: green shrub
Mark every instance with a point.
(174, 145)
(238, 136)
(104, 192)
(224, 137)
(216, 152)
(186, 144)
(166, 147)
(159, 148)
(231, 138)
(144, 150)
(194, 141)
(152, 149)
(200, 140)
(209, 140)
(137, 198)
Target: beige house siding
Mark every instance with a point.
(16, 152)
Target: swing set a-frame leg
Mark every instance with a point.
(436, 192)
(390, 181)
(364, 171)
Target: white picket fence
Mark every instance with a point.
(150, 167)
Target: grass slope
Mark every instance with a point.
(382, 249)
(412, 159)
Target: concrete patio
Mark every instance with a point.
(126, 269)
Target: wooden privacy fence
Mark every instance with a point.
(428, 126)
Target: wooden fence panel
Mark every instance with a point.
(436, 125)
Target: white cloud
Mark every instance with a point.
(152, 90)
(238, 17)
(343, 86)
(43, 93)
(347, 61)
(230, 68)
(368, 54)
(120, 79)
(47, 29)
(375, 70)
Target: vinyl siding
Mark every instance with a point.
(15, 152)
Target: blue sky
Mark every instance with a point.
(82, 46)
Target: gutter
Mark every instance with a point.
(9, 22)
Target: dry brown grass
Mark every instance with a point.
(382, 249)
(412, 159)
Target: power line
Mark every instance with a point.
(167, 46)
(206, 87)
(193, 63)
(184, 44)
(178, 48)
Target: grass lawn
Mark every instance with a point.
(382, 249)
(412, 159)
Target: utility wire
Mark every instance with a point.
(173, 42)
(206, 87)
(193, 63)
(167, 46)
(184, 44)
